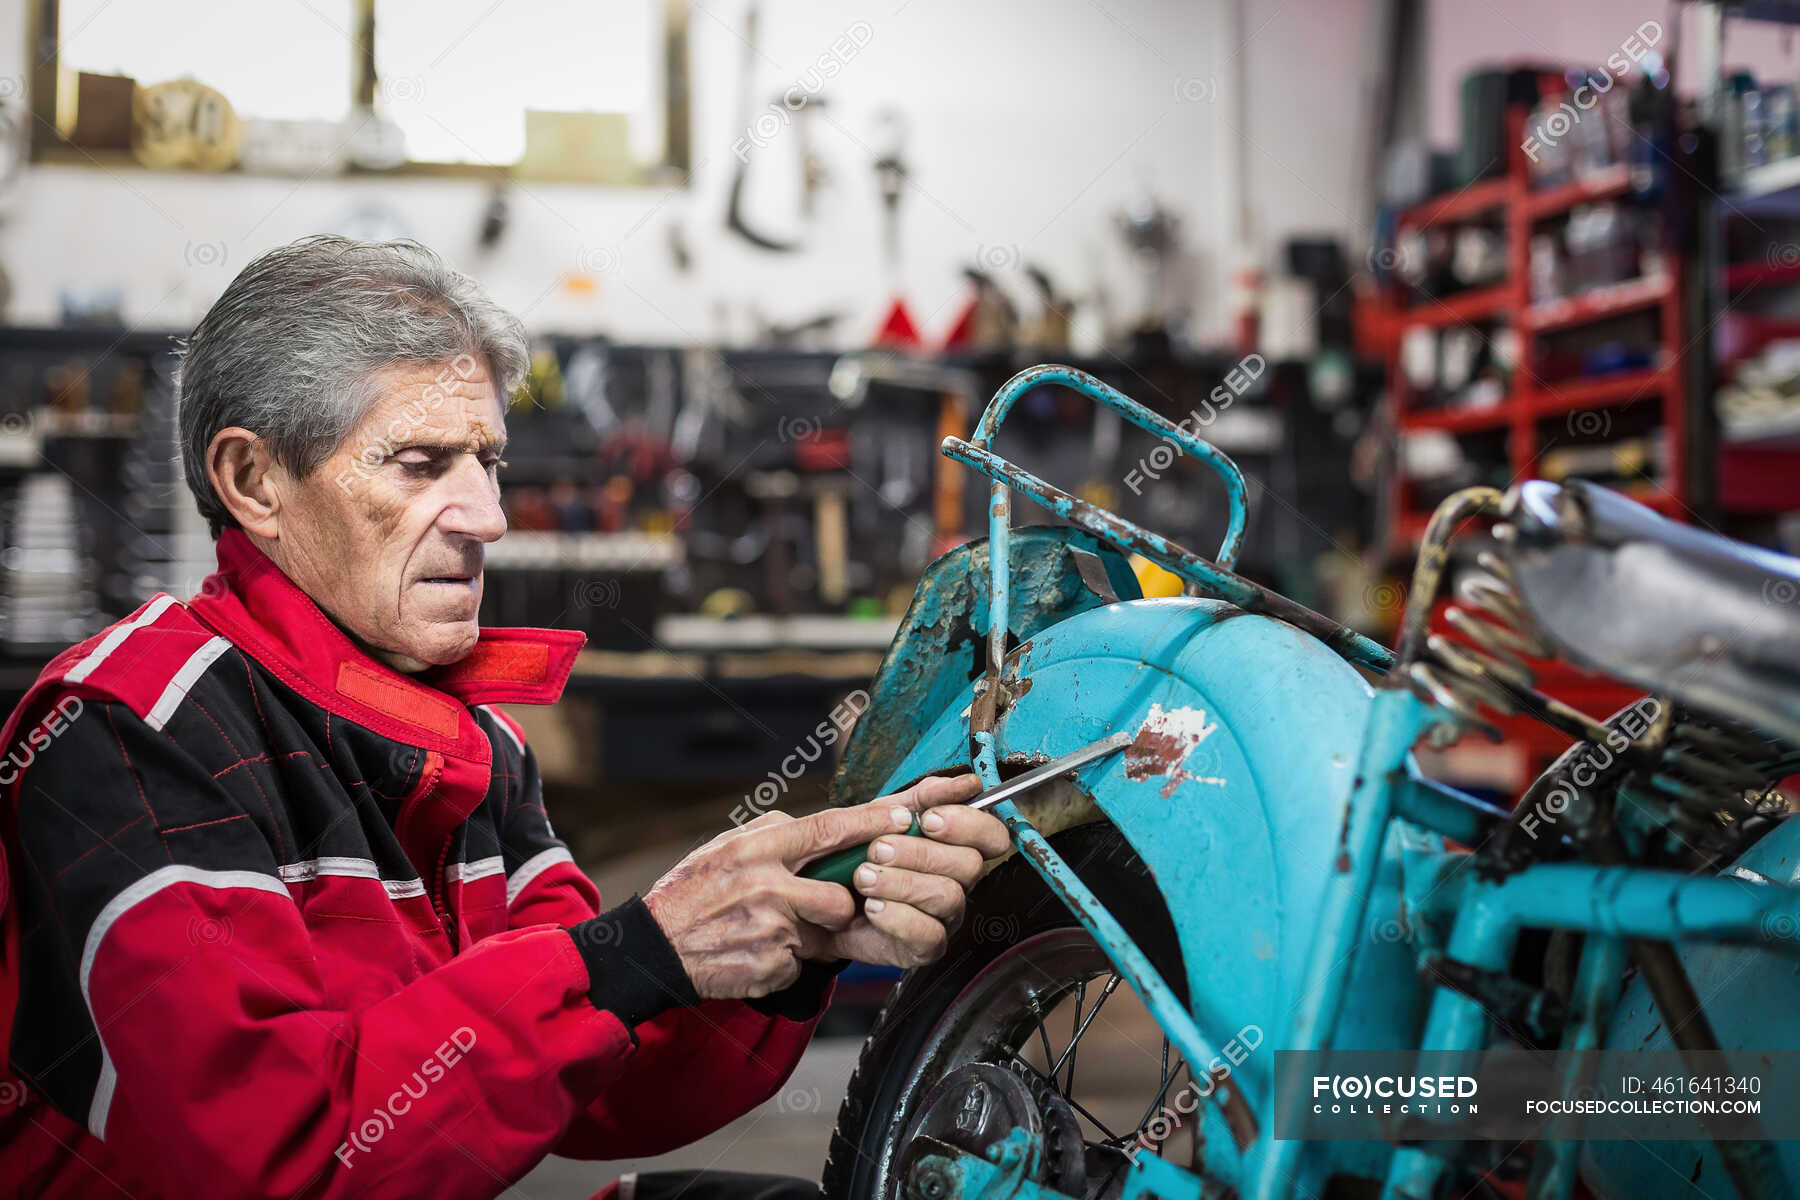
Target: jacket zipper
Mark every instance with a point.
(437, 886)
(440, 894)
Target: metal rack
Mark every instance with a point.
(1531, 399)
(1756, 464)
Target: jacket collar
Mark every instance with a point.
(251, 602)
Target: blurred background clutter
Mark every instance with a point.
(771, 253)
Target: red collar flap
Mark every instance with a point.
(266, 614)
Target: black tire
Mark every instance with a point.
(1010, 905)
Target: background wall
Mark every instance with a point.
(1030, 126)
(1016, 143)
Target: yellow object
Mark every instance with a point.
(183, 124)
(728, 602)
(543, 387)
(1101, 495)
(1154, 580)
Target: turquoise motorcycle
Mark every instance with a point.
(1264, 876)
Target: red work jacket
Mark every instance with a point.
(278, 920)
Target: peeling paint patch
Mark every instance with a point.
(1163, 743)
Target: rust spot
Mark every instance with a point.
(1164, 744)
(1155, 752)
(1343, 858)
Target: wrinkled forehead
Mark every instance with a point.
(451, 405)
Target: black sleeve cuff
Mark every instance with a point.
(801, 999)
(633, 972)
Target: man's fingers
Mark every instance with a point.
(800, 841)
(892, 934)
(955, 826)
(935, 895)
(825, 905)
(961, 863)
(934, 790)
(920, 937)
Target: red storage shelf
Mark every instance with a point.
(1531, 399)
(1741, 277)
(1577, 395)
(1471, 201)
(1469, 419)
(1610, 301)
(1601, 185)
(1759, 479)
(1461, 309)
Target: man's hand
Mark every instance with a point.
(741, 919)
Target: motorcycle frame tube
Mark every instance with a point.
(1603, 958)
(1620, 903)
(1483, 937)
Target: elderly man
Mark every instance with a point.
(284, 913)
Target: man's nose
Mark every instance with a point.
(474, 502)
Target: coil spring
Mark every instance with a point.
(1716, 774)
(1490, 670)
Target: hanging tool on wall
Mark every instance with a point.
(1153, 231)
(898, 329)
(751, 142)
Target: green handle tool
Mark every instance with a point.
(839, 866)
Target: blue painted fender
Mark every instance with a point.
(1233, 793)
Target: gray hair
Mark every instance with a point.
(292, 350)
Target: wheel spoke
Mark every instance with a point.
(1111, 985)
(1164, 1079)
(1044, 1036)
(1075, 1030)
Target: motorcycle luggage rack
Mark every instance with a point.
(1213, 577)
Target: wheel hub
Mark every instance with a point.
(977, 1105)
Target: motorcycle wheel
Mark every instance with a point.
(1020, 987)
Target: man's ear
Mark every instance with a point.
(247, 480)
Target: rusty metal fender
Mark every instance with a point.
(941, 646)
(1233, 793)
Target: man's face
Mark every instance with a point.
(388, 534)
